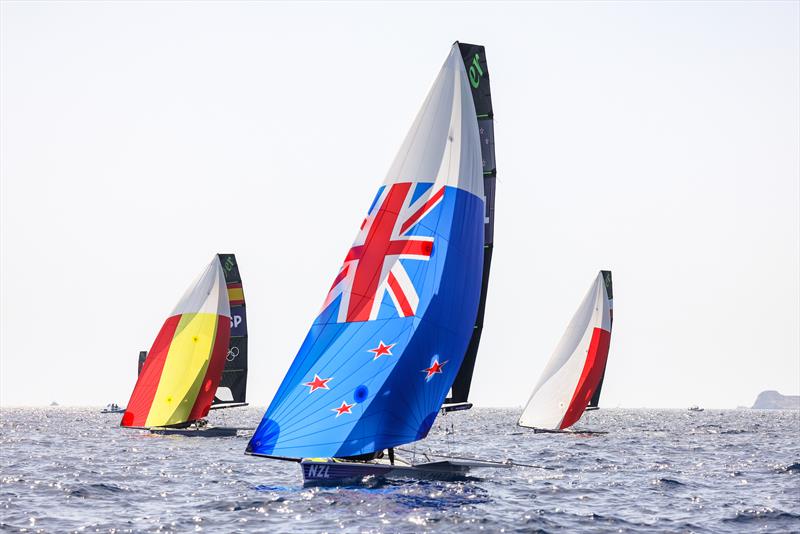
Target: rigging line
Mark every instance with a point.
(450, 457)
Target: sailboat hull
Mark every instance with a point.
(331, 471)
(574, 432)
(206, 432)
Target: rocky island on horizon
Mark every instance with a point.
(772, 400)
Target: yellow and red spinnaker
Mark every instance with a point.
(185, 364)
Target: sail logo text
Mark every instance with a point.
(475, 72)
(236, 320)
(318, 471)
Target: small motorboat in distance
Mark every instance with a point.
(695, 408)
(113, 408)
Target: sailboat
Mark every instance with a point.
(400, 325)
(572, 379)
(232, 389)
(180, 374)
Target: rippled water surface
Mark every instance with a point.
(74, 469)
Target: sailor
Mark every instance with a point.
(377, 455)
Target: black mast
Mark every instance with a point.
(474, 57)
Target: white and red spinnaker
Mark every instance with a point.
(575, 371)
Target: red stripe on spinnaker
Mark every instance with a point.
(415, 247)
(354, 253)
(590, 377)
(424, 209)
(147, 384)
(373, 254)
(339, 277)
(214, 370)
(398, 293)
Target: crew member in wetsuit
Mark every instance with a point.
(370, 456)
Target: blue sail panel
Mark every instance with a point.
(392, 332)
(359, 383)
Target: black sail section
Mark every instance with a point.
(594, 403)
(233, 385)
(475, 63)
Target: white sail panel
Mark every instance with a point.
(443, 144)
(553, 394)
(207, 294)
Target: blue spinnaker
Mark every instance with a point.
(382, 354)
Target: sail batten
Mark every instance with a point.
(382, 353)
(572, 376)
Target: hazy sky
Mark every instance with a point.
(658, 140)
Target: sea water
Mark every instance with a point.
(75, 469)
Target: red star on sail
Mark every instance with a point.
(382, 350)
(318, 383)
(435, 368)
(344, 408)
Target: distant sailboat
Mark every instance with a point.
(572, 379)
(232, 389)
(401, 322)
(183, 368)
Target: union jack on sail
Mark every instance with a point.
(372, 267)
(396, 323)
